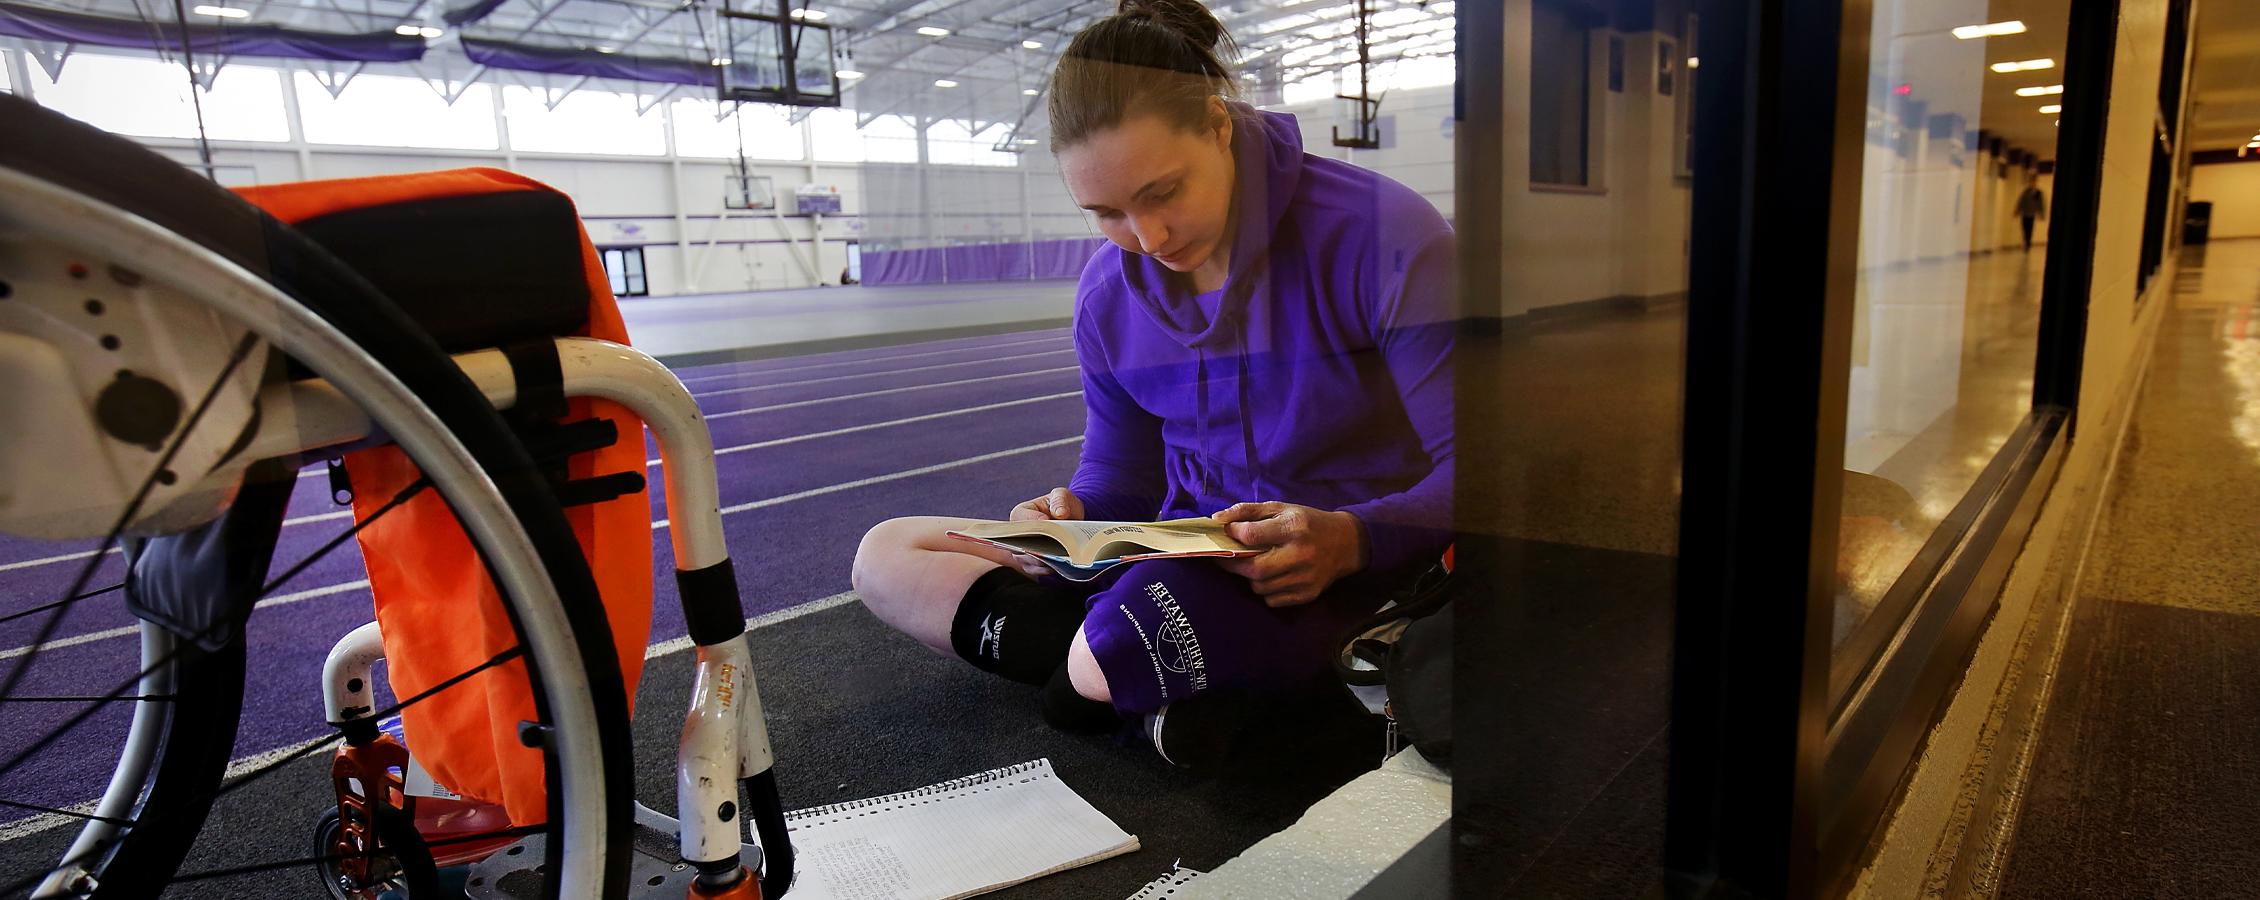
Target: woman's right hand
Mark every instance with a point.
(1059, 504)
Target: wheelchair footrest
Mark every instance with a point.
(656, 867)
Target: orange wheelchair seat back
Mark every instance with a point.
(483, 259)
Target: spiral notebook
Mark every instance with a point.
(959, 838)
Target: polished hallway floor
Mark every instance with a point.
(2148, 769)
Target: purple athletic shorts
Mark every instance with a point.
(1165, 629)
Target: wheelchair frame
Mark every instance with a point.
(724, 741)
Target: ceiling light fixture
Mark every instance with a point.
(2024, 65)
(813, 15)
(944, 83)
(721, 61)
(606, 49)
(1029, 92)
(2040, 91)
(1994, 29)
(1694, 62)
(931, 31)
(848, 74)
(2051, 109)
(1032, 45)
(223, 12)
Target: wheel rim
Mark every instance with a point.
(584, 789)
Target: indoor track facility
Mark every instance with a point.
(649, 448)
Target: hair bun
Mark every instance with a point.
(1188, 19)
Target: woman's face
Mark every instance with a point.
(1156, 189)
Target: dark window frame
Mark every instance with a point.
(634, 281)
(1782, 769)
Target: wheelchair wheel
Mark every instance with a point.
(75, 201)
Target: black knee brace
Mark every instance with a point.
(1015, 627)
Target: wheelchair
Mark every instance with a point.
(172, 357)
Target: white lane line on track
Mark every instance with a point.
(680, 644)
(46, 560)
(857, 362)
(831, 378)
(892, 476)
(319, 470)
(757, 445)
(315, 471)
(31, 825)
(125, 630)
(881, 393)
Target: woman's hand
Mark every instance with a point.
(1305, 550)
(1059, 504)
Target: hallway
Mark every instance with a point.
(2149, 763)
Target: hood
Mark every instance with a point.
(1267, 151)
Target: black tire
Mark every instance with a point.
(195, 752)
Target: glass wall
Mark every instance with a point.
(150, 98)
(393, 111)
(1954, 194)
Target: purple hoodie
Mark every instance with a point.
(1321, 374)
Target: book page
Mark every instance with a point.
(1086, 542)
(955, 839)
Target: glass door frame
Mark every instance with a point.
(1781, 773)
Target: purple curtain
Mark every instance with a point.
(62, 26)
(563, 61)
(1015, 261)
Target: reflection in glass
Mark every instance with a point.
(1954, 190)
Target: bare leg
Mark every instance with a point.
(911, 574)
(1083, 670)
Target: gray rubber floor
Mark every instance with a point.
(856, 710)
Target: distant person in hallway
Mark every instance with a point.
(1267, 340)
(2031, 205)
(847, 277)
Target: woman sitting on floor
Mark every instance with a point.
(1269, 342)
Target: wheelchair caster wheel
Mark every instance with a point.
(389, 862)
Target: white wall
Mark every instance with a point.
(1626, 236)
(2234, 189)
(1420, 150)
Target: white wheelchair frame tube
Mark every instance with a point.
(725, 738)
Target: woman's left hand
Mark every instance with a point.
(1304, 549)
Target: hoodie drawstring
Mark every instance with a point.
(1212, 483)
(1248, 430)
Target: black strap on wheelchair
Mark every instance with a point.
(540, 378)
(548, 442)
(583, 491)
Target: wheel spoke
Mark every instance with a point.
(66, 601)
(56, 810)
(243, 348)
(182, 645)
(406, 493)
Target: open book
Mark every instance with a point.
(1079, 550)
